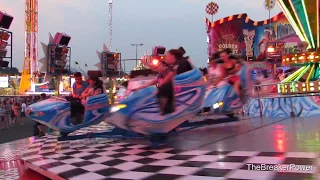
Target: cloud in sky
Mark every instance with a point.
(170, 23)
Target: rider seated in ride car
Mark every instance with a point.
(231, 67)
(79, 86)
(77, 109)
(176, 64)
(164, 81)
(176, 58)
(180, 64)
(95, 88)
(215, 71)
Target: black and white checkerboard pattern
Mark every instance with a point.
(13, 150)
(97, 159)
(10, 153)
(102, 127)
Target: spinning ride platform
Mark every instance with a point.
(97, 159)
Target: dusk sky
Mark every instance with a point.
(169, 23)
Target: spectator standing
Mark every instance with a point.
(23, 112)
(7, 108)
(12, 114)
(3, 122)
(16, 109)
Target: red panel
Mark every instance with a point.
(248, 20)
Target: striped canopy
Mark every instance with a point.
(304, 18)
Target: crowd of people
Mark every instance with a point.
(12, 112)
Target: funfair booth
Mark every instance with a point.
(249, 38)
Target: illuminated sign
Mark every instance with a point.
(45, 87)
(4, 82)
(234, 47)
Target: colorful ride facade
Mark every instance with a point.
(249, 39)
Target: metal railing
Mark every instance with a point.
(261, 94)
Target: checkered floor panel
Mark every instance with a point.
(14, 150)
(102, 127)
(7, 154)
(10, 174)
(97, 159)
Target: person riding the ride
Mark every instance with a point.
(79, 86)
(175, 63)
(95, 88)
(76, 108)
(231, 66)
(164, 82)
(215, 71)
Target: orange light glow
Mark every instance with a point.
(270, 50)
(280, 143)
(155, 62)
(275, 18)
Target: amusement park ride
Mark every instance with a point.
(298, 93)
(30, 67)
(304, 18)
(138, 116)
(58, 57)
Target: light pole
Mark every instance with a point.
(136, 45)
